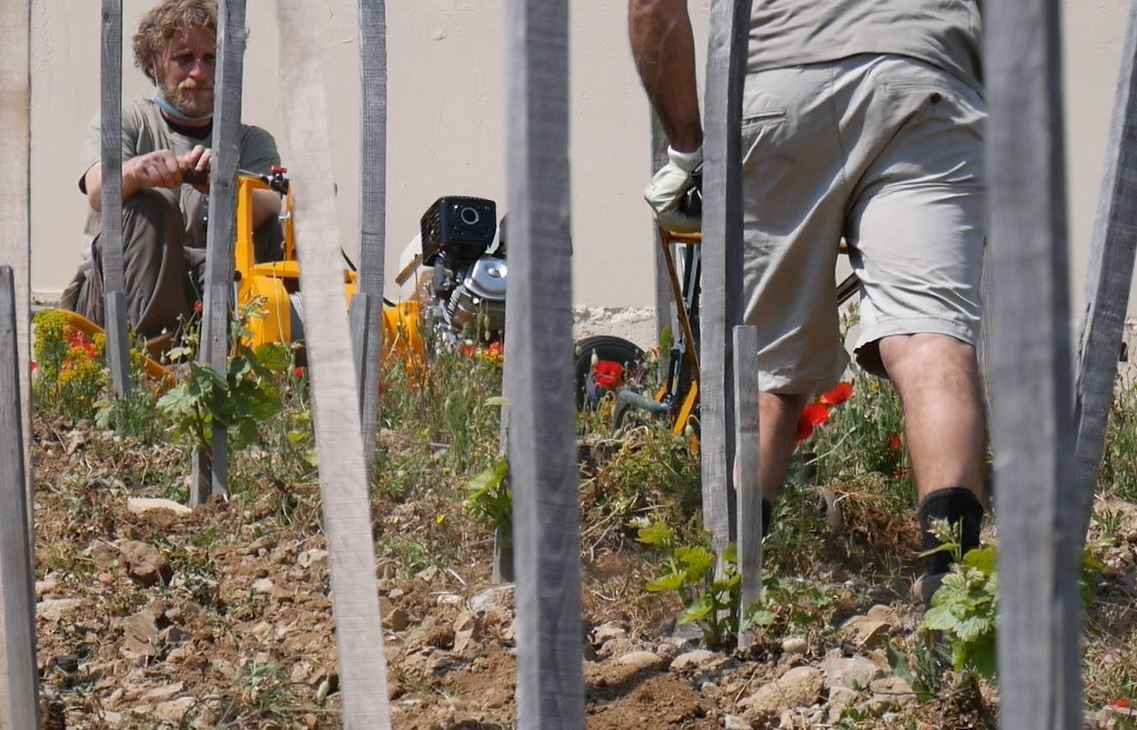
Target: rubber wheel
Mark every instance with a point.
(605, 347)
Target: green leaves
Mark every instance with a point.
(689, 570)
(489, 500)
(964, 609)
(240, 401)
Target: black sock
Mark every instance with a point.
(956, 505)
(767, 515)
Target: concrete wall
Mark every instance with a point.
(446, 123)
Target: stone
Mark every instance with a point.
(734, 722)
(891, 684)
(855, 672)
(607, 632)
(699, 660)
(642, 660)
(142, 505)
(145, 564)
(396, 620)
(840, 699)
(617, 647)
(450, 599)
(884, 614)
(889, 693)
(174, 711)
(53, 609)
(794, 645)
(45, 586)
(799, 687)
(142, 634)
(264, 586)
(312, 558)
(164, 692)
(864, 632)
(499, 596)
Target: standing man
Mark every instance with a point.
(862, 120)
(166, 158)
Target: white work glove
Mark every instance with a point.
(668, 187)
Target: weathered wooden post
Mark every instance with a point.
(542, 441)
(664, 300)
(722, 258)
(748, 459)
(368, 334)
(1107, 282)
(110, 220)
(19, 677)
(15, 184)
(211, 469)
(1037, 507)
(339, 437)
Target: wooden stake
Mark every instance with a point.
(339, 440)
(722, 259)
(1037, 507)
(211, 470)
(542, 437)
(372, 205)
(110, 222)
(1108, 280)
(748, 459)
(19, 685)
(15, 184)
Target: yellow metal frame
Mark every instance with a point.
(272, 282)
(691, 398)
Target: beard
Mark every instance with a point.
(189, 98)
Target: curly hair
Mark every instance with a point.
(163, 22)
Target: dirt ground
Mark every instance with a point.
(153, 618)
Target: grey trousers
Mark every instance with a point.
(163, 276)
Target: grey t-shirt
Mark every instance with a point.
(144, 130)
(945, 33)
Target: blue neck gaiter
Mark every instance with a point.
(171, 111)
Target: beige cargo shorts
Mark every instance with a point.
(885, 152)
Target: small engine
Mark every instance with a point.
(468, 278)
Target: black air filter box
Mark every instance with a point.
(461, 226)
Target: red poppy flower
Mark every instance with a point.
(467, 350)
(299, 372)
(1121, 704)
(197, 307)
(607, 374)
(894, 441)
(816, 413)
(33, 366)
(80, 341)
(494, 349)
(841, 393)
(804, 430)
(899, 474)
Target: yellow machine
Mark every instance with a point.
(277, 283)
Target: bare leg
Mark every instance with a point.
(938, 380)
(777, 422)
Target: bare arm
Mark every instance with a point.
(163, 169)
(663, 46)
(160, 169)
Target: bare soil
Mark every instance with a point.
(222, 617)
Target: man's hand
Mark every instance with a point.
(158, 169)
(196, 165)
(668, 188)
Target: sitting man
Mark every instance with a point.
(165, 140)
